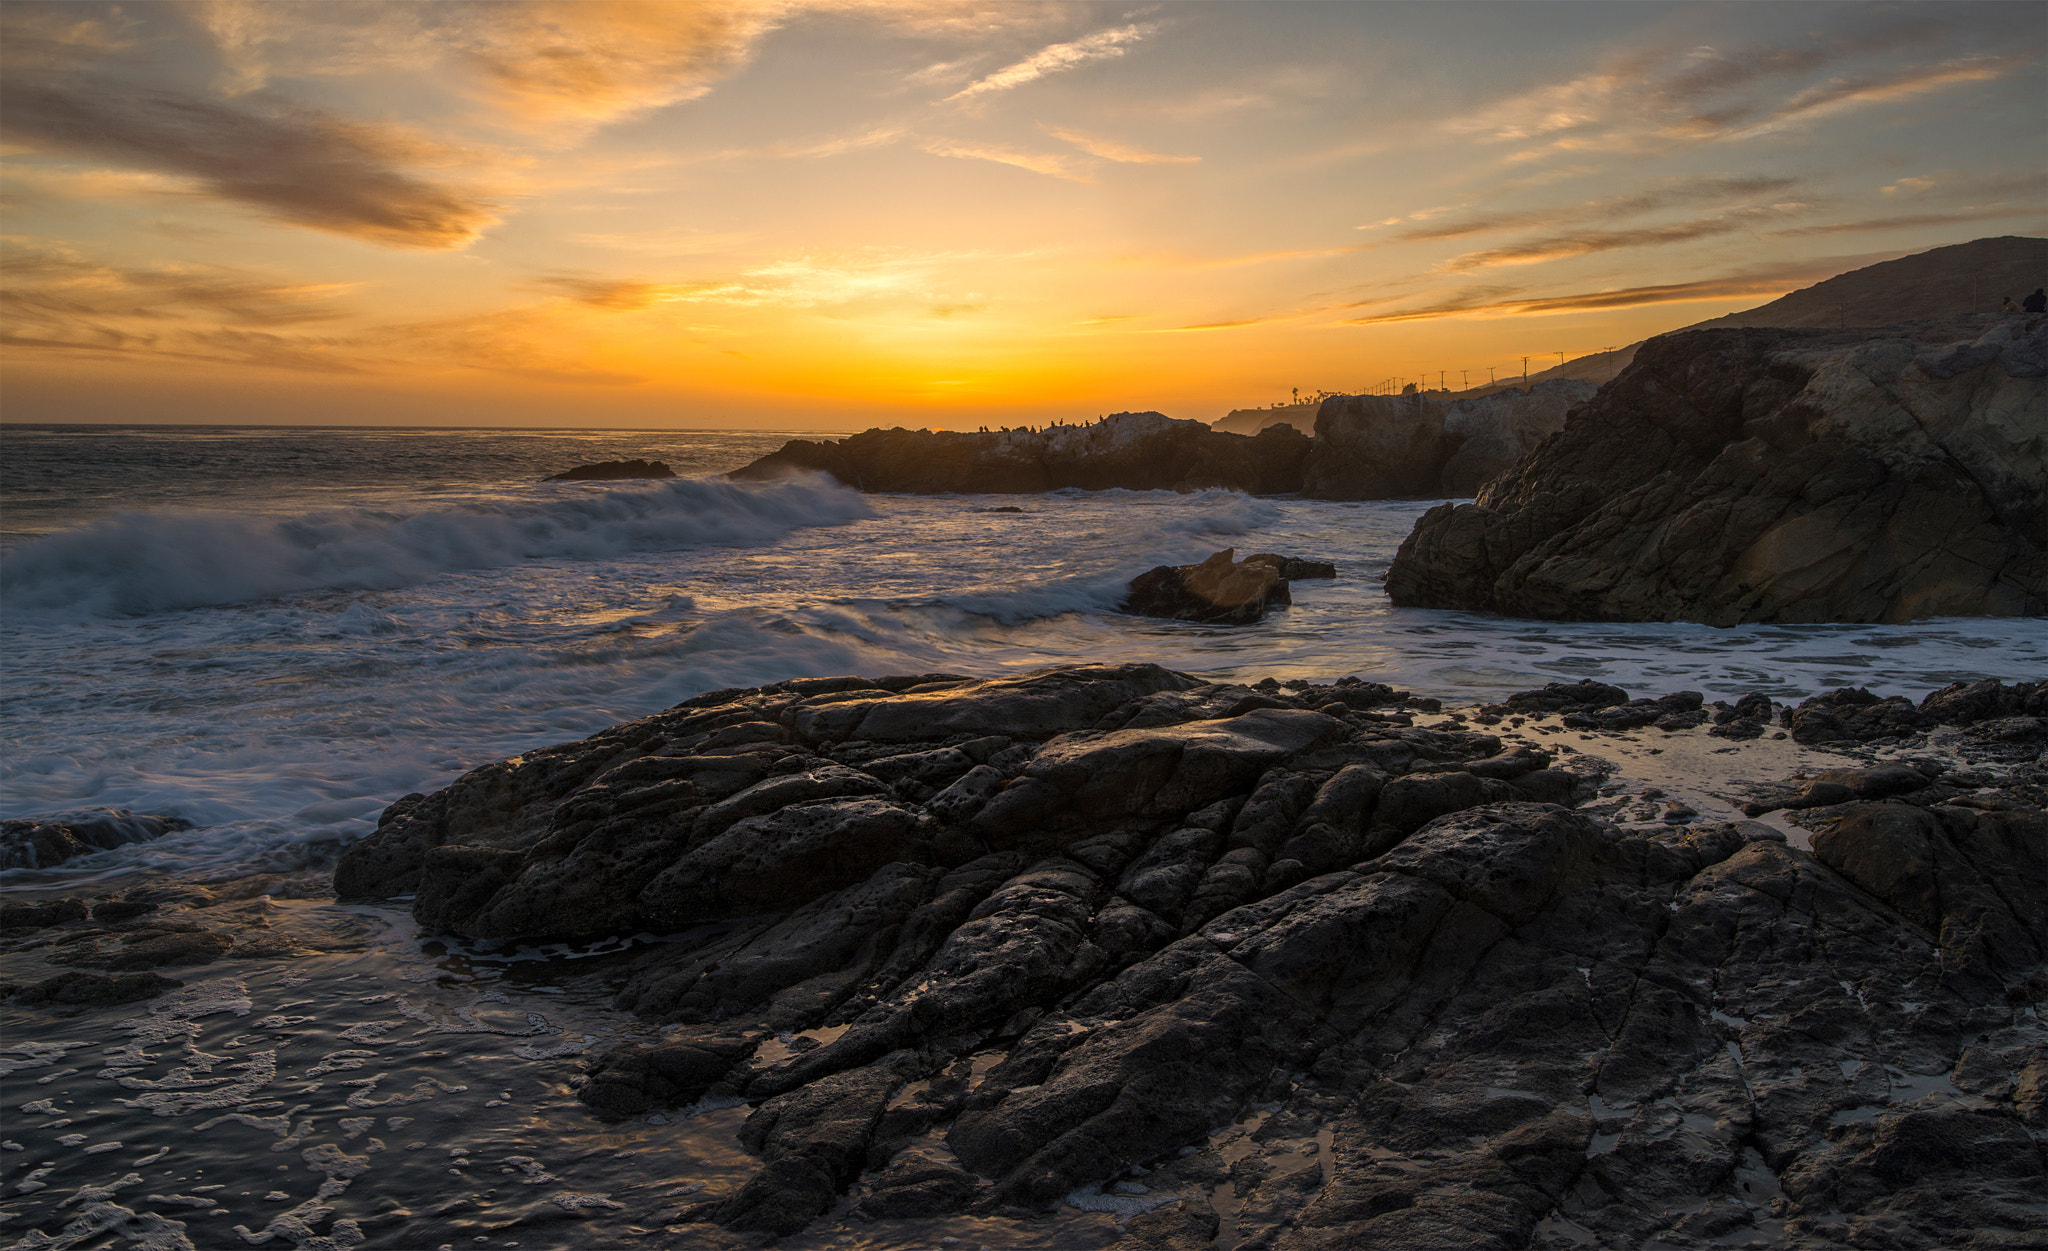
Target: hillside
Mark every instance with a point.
(1927, 286)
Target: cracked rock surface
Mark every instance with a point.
(1272, 964)
(1760, 475)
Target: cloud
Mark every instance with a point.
(1099, 46)
(617, 294)
(1050, 164)
(1651, 96)
(1110, 150)
(1684, 191)
(1585, 243)
(1490, 301)
(292, 165)
(1993, 212)
(50, 286)
(1910, 186)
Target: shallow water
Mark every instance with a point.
(273, 634)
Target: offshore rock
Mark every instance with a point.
(1132, 451)
(1735, 476)
(40, 842)
(1084, 924)
(1220, 589)
(611, 470)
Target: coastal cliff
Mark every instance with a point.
(1133, 451)
(1040, 937)
(1763, 475)
(1370, 447)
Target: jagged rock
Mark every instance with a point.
(1134, 451)
(1771, 475)
(1221, 589)
(1167, 903)
(1584, 695)
(611, 470)
(35, 916)
(1852, 714)
(1292, 567)
(1837, 786)
(40, 842)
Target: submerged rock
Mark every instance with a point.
(1219, 589)
(1132, 451)
(606, 471)
(1086, 923)
(40, 842)
(1735, 476)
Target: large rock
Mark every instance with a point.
(1134, 451)
(1331, 977)
(1771, 475)
(1220, 589)
(1375, 447)
(1490, 433)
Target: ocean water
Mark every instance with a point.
(273, 633)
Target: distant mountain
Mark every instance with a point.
(1962, 278)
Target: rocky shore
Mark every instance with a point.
(1317, 962)
(1761, 475)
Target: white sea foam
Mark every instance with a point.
(134, 563)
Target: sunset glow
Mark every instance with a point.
(835, 215)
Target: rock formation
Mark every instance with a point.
(1089, 926)
(1220, 589)
(1771, 475)
(1370, 447)
(610, 470)
(1134, 451)
(1301, 416)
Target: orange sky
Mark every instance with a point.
(832, 215)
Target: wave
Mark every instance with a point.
(140, 563)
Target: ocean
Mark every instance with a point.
(274, 632)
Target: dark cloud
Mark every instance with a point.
(1587, 242)
(293, 165)
(47, 286)
(1724, 288)
(1866, 225)
(1690, 191)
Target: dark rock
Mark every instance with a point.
(1732, 476)
(1155, 915)
(1133, 451)
(92, 990)
(35, 916)
(40, 842)
(612, 470)
(1220, 590)
(1852, 714)
(1289, 567)
(1836, 786)
(1585, 695)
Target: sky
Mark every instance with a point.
(820, 214)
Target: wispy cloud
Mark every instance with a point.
(1996, 212)
(1681, 192)
(1110, 150)
(290, 163)
(1050, 164)
(1585, 243)
(1102, 45)
(1496, 301)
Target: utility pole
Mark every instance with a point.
(1489, 376)
(1525, 371)
(1464, 380)
(1439, 379)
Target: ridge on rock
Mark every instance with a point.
(1082, 920)
(1133, 451)
(1762, 475)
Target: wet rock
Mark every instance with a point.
(1837, 786)
(1425, 1001)
(1220, 589)
(90, 990)
(613, 470)
(1292, 567)
(35, 916)
(1741, 475)
(40, 842)
(638, 1078)
(1584, 695)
